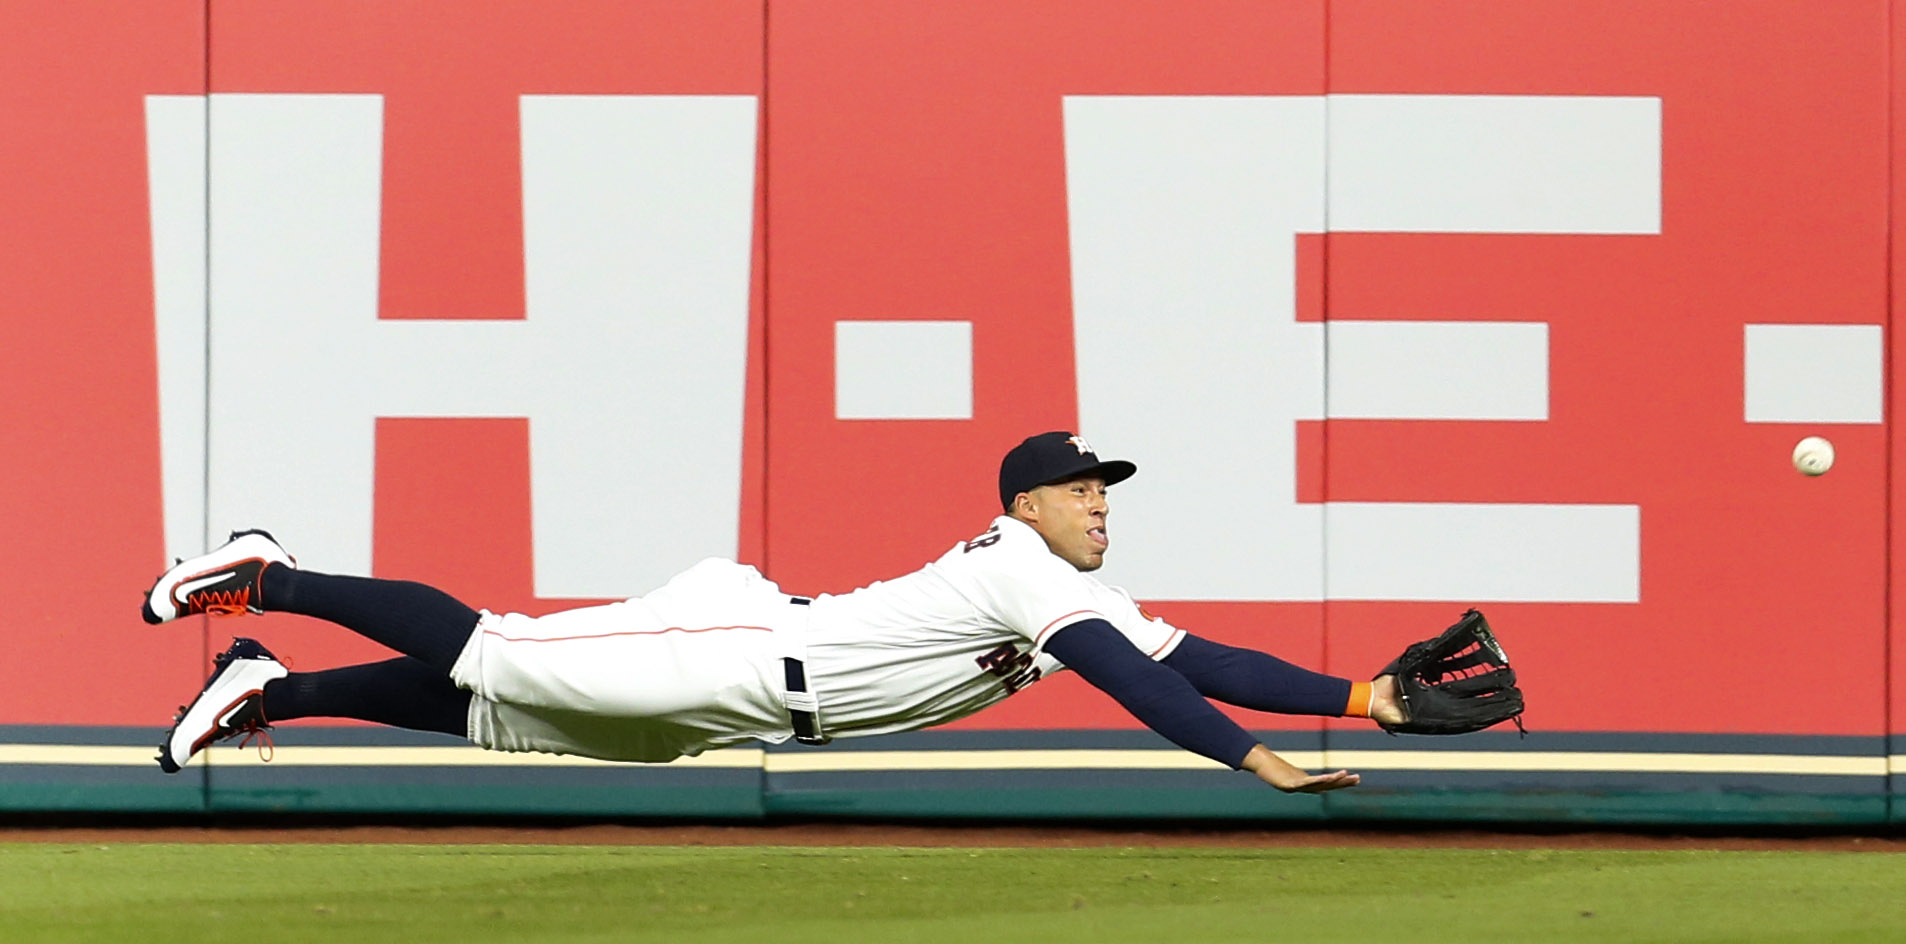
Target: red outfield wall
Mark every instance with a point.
(1252, 246)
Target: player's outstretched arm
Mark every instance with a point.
(1166, 702)
(1262, 682)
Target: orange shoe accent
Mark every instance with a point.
(217, 603)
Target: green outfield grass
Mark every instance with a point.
(469, 894)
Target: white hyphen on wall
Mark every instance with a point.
(903, 370)
(1814, 373)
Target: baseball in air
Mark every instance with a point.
(1813, 456)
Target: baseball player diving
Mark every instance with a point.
(720, 655)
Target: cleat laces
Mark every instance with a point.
(259, 732)
(220, 602)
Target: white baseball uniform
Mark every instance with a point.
(697, 664)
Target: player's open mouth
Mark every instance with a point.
(1098, 535)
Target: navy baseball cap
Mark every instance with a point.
(1054, 457)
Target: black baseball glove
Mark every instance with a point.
(1456, 683)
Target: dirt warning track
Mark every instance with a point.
(963, 835)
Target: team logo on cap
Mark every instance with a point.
(1079, 443)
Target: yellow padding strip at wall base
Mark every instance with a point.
(326, 756)
(825, 761)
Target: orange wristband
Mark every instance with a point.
(1360, 696)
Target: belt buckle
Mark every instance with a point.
(804, 710)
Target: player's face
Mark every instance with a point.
(1071, 517)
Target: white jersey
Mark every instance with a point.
(697, 664)
(958, 634)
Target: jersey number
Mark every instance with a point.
(1010, 664)
(990, 538)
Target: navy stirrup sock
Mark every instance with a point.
(419, 621)
(402, 692)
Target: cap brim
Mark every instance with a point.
(1111, 472)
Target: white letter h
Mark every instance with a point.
(638, 217)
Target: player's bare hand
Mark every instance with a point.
(1290, 778)
(1319, 783)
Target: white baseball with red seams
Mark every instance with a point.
(1813, 456)
(697, 663)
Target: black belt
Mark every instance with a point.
(803, 708)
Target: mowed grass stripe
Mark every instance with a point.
(474, 894)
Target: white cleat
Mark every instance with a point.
(232, 703)
(221, 582)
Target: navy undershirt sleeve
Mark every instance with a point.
(1163, 699)
(1251, 679)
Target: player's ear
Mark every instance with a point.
(1023, 506)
